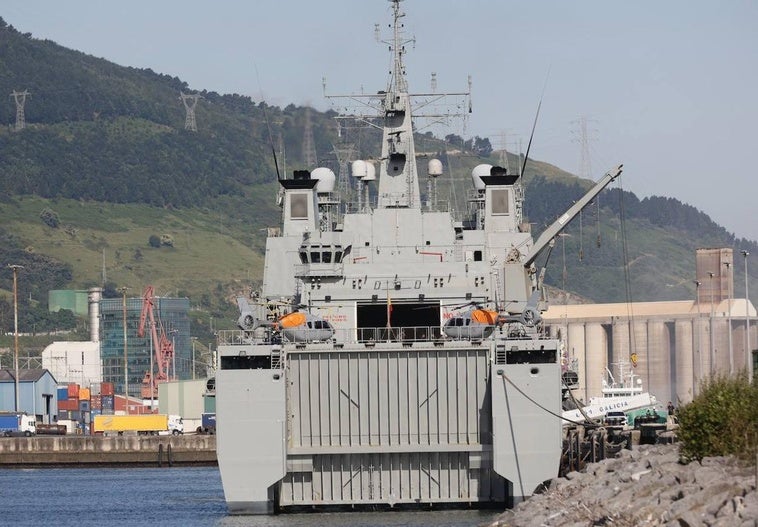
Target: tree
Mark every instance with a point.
(482, 146)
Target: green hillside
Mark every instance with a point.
(105, 169)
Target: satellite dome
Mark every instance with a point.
(359, 169)
(326, 179)
(477, 173)
(370, 172)
(435, 167)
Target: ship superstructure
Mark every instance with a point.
(394, 355)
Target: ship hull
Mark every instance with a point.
(387, 425)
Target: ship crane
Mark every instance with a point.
(164, 349)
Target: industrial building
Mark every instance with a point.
(101, 359)
(675, 344)
(36, 393)
(171, 313)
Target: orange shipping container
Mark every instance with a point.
(73, 391)
(84, 394)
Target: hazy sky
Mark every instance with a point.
(669, 88)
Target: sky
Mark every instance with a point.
(669, 88)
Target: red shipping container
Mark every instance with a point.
(73, 391)
(106, 388)
(96, 402)
(70, 405)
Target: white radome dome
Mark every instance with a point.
(370, 172)
(434, 168)
(326, 179)
(477, 173)
(358, 169)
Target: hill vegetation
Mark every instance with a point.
(105, 186)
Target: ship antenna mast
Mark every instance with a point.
(534, 126)
(398, 49)
(268, 125)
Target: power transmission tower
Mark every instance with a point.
(20, 98)
(503, 157)
(309, 149)
(189, 107)
(585, 169)
(343, 152)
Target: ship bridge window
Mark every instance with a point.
(251, 362)
(320, 254)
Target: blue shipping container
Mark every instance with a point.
(63, 394)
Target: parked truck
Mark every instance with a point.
(17, 424)
(142, 424)
(208, 424)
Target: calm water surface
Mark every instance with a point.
(168, 496)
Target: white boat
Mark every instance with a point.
(624, 395)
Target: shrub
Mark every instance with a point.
(154, 241)
(50, 218)
(722, 420)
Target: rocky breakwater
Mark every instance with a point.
(646, 486)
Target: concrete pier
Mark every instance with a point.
(92, 451)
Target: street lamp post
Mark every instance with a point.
(729, 317)
(173, 352)
(748, 357)
(126, 363)
(15, 331)
(194, 339)
(697, 333)
(712, 353)
(152, 367)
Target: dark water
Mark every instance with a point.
(168, 496)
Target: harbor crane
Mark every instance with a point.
(164, 349)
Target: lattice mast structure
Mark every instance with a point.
(20, 99)
(190, 101)
(309, 147)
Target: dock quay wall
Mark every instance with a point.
(92, 451)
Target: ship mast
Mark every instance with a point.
(398, 181)
(398, 175)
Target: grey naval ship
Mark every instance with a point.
(394, 355)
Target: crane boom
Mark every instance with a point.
(558, 225)
(164, 349)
